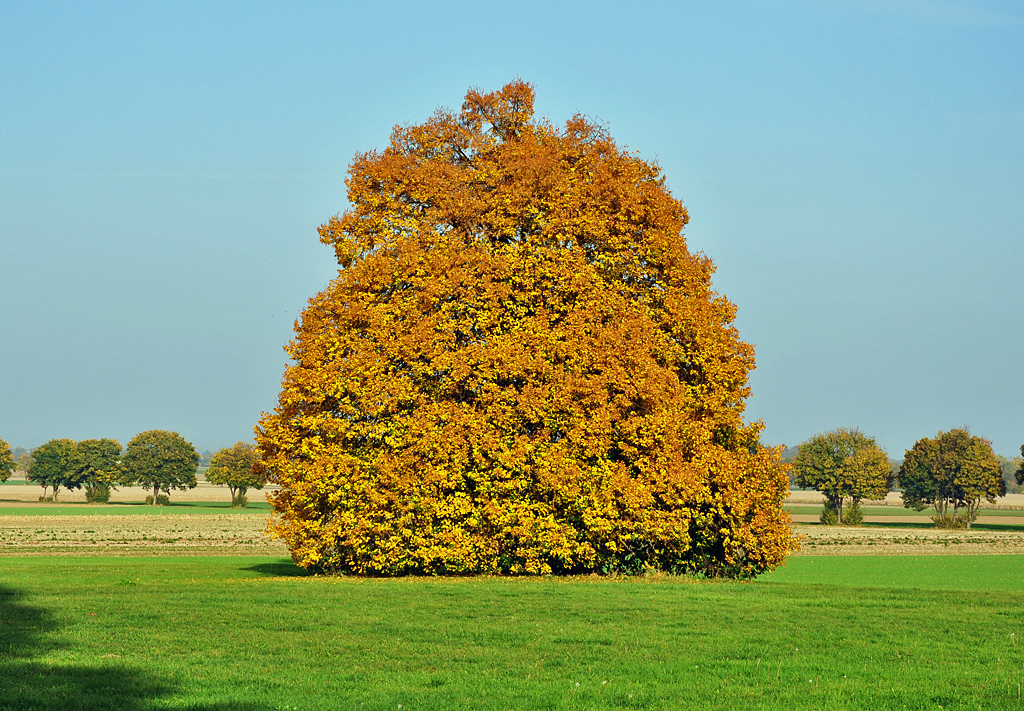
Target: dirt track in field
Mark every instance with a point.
(178, 534)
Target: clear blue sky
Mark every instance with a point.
(855, 170)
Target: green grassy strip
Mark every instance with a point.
(249, 633)
(813, 510)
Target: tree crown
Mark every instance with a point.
(158, 457)
(96, 461)
(955, 467)
(6, 461)
(234, 466)
(843, 462)
(519, 368)
(51, 464)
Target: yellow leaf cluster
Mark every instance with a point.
(520, 369)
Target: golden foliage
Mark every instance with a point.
(520, 368)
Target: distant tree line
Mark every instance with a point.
(158, 460)
(952, 473)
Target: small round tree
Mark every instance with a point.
(955, 470)
(161, 461)
(96, 464)
(6, 461)
(234, 467)
(520, 368)
(843, 463)
(51, 466)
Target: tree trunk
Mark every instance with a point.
(839, 511)
(156, 493)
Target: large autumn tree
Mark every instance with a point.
(520, 368)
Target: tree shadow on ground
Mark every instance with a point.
(930, 526)
(28, 683)
(283, 569)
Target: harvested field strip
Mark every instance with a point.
(137, 535)
(840, 540)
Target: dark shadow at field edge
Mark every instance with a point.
(929, 526)
(277, 570)
(26, 683)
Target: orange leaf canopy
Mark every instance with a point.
(520, 369)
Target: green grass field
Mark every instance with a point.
(814, 510)
(251, 633)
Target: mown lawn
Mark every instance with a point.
(250, 633)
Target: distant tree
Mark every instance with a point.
(955, 469)
(6, 461)
(1009, 468)
(24, 462)
(51, 466)
(233, 467)
(95, 463)
(1020, 470)
(160, 460)
(843, 463)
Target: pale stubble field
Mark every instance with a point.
(201, 524)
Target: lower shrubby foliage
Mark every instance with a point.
(953, 521)
(99, 493)
(852, 514)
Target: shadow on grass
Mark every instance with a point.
(928, 525)
(282, 569)
(27, 682)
